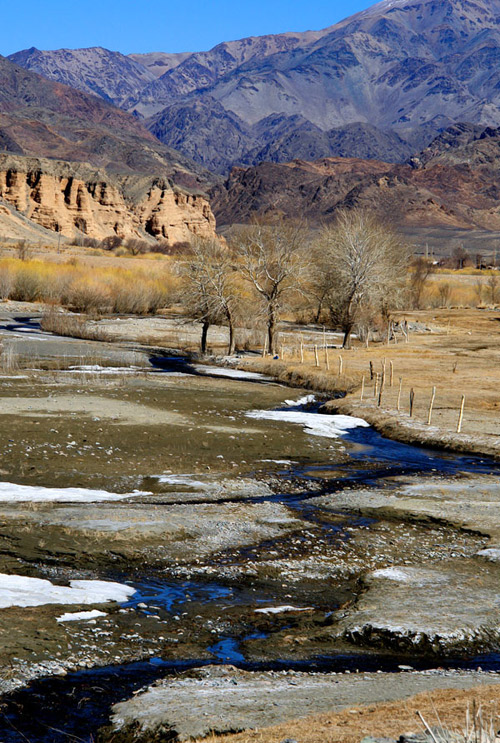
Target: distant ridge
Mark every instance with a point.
(401, 71)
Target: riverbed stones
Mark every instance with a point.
(427, 610)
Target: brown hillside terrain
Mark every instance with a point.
(43, 118)
(437, 195)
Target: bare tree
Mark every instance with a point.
(366, 261)
(421, 271)
(209, 286)
(460, 257)
(493, 287)
(479, 288)
(272, 259)
(444, 292)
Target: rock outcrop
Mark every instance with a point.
(73, 199)
(438, 194)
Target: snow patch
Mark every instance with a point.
(306, 400)
(414, 576)
(282, 609)
(316, 424)
(491, 553)
(96, 369)
(18, 590)
(78, 616)
(183, 480)
(12, 493)
(218, 371)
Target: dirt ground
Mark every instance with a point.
(390, 720)
(455, 351)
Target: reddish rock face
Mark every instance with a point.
(457, 187)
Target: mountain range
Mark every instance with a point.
(454, 183)
(396, 108)
(380, 84)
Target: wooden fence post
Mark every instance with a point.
(264, 350)
(412, 400)
(327, 360)
(371, 369)
(431, 405)
(316, 355)
(375, 387)
(362, 388)
(301, 352)
(399, 393)
(461, 416)
(341, 364)
(392, 373)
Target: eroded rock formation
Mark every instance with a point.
(74, 200)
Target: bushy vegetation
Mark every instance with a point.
(84, 288)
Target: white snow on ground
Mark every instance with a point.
(491, 553)
(182, 480)
(329, 426)
(415, 576)
(278, 461)
(18, 590)
(218, 371)
(12, 493)
(281, 609)
(398, 574)
(96, 369)
(301, 401)
(78, 616)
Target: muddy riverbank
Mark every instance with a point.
(236, 523)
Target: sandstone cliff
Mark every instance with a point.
(73, 199)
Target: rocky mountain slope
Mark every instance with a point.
(76, 165)
(399, 66)
(109, 75)
(72, 199)
(453, 183)
(46, 119)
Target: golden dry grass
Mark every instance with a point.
(382, 720)
(85, 287)
(459, 355)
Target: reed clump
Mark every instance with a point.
(86, 288)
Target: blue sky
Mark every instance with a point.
(159, 25)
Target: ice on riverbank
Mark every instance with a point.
(281, 609)
(81, 616)
(306, 400)
(13, 493)
(186, 480)
(19, 590)
(218, 371)
(316, 424)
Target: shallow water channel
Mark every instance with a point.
(207, 599)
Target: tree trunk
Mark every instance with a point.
(348, 323)
(347, 336)
(271, 326)
(230, 349)
(204, 333)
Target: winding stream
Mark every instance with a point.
(76, 706)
